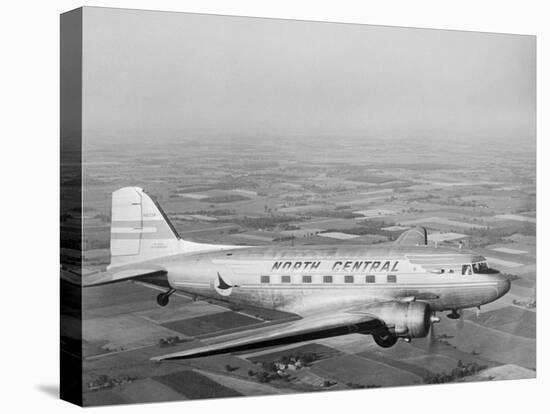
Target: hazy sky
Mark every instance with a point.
(170, 75)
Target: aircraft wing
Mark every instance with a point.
(118, 275)
(413, 237)
(309, 328)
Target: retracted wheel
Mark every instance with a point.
(385, 341)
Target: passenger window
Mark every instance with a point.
(348, 279)
(327, 279)
(370, 279)
(306, 279)
(285, 279)
(264, 279)
(392, 279)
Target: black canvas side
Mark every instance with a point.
(71, 206)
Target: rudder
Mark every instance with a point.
(140, 230)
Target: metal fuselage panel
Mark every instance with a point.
(295, 279)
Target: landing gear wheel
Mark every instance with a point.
(163, 299)
(386, 341)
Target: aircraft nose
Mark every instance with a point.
(503, 285)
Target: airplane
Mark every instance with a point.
(387, 291)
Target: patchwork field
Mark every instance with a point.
(299, 192)
(511, 319)
(212, 323)
(119, 345)
(357, 370)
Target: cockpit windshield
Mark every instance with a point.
(477, 267)
(483, 267)
(480, 267)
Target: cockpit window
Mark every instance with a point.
(466, 269)
(482, 267)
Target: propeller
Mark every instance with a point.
(432, 339)
(460, 321)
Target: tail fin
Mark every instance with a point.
(140, 230)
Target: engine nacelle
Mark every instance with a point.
(404, 319)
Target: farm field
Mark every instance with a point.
(263, 194)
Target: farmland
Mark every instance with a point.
(289, 192)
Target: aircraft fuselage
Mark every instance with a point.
(309, 279)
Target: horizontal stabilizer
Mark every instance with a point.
(413, 237)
